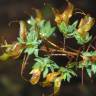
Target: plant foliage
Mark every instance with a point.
(34, 37)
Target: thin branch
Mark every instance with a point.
(91, 43)
(64, 41)
(57, 54)
(25, 59)
(53, 44)
(93, 47)
(61, 51)
(82, 81)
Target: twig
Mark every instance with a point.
(64, 41)
(82, 81)
(61, 51)
(25, 59)
(93, 47)
(53, 54)
(91, 43)
(5, 46)
(53, 44)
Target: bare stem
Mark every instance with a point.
(25, 59)
(64, 42)
(61, 52)
(53, 44)
(82, 76)
(57, 54)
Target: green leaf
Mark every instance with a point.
(68, 77)
(57, 84)
(68, 30)
(89, 54)
(29, 51)
(45, 29)
(82, 39)
(93, 68)
(44, 64)
(45, 72)
(72, 28)
(51, 68)
(31, 21)
(36, 66)
(39, 60)
(20, 40)
(72, 73)
(67, 73)
(64, 76)
(63, 28)
(36, 52)
(89, 72)
(32, 43)
(55, 66)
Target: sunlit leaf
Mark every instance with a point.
(51, 76)
(45, 72)
(35, 76)
(65, 16)
(57, 84)
(45, 63)
(45, 29)
(13, 51)
(93, 68)
(82, 34)
(82, 39)
(31, 22)
(67, 73)
(32, 43)
(85, 24)
(68, 30)
(89, 72)
(89, 54)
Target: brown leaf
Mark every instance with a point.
(15, 50)
(23, 30)
(12, 51)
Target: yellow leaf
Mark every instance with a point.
(23, 30)
(38, 14)
(15, 50)
(85, 24)
(4, 57)
(57, 84)
(46, 84)
(51, 76)
(12, 51)
(65, 16)
(35, 76)
(67, 13)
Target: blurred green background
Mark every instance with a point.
(11, 82)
